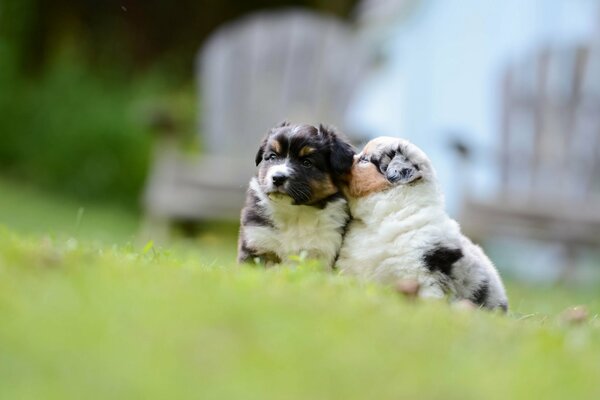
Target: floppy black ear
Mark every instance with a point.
(341, 151)
(402, 171)
(261, 151)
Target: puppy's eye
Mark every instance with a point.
(363, 160)
(307, 163)
(271, 156)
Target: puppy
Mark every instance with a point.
(294, 205)
(401, 230)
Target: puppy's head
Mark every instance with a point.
(303, 162)
(387, 162)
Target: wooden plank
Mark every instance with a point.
(550, 139)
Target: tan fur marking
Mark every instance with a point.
(322, 189)
(276, 146)
(306, 150)
(366, 179)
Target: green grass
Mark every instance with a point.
(85, 318)
(80, 321)
(30, 211)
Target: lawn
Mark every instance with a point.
(83, 317)
(26, 209)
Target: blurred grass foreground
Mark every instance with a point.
(82, 317)
(80, 321)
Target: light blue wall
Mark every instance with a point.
(442, 73)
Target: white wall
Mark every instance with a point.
(442, 72)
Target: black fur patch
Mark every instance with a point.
(253, 213)
(252, 217)
(480, 296)
(441, 259)
(323, 203)
(245, 253)
(341, 152)
(250, 256)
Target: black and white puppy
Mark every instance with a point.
(400, 229)
(294, 205)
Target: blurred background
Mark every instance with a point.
(128, 120)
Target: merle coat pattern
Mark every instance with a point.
(400, 229)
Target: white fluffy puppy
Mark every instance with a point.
(400, 229)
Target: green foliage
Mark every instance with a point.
(128, 34)
(74, 131)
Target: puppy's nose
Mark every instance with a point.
(279, 179)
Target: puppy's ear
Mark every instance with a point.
(341, 152)
(261, 150)
(401, 171)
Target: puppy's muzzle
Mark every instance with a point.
(279, 179)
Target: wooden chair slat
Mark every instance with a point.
(550, 150)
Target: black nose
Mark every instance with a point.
(279, 179)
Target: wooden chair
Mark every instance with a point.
(549, 161)
(253, 73)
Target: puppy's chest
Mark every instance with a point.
(297, 229)
(391, 245)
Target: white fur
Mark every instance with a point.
(283, 169)
(299, 229)
(393, 229)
